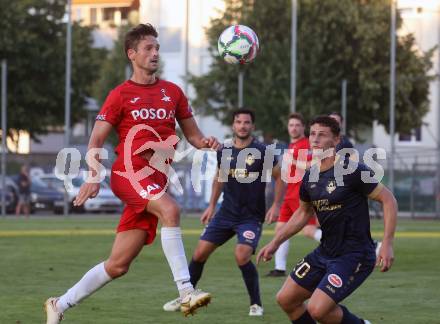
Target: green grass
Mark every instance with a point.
(34, 267)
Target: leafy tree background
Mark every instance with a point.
(33, 40)
(113, 68)
(337, 39)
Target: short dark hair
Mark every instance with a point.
(297, 116)
(327, 121)
(136, 34)
(243, 111)
(335, 113)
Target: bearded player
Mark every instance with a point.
(149, 106)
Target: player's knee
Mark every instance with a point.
(242, 259)
(315, 312)
(284, 302)
(116, 270)
(288, 302)
(201, 254)
(169, 214)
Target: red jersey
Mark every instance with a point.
(292, 190)
(156, 105)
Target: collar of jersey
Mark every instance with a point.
(242, 148)
(144, 85)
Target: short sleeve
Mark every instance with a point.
(111, 110)
(183, 109)
(364, 181)
(303, 193)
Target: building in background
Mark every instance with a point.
(181, 26)
(184, 46)
(107, 15)
(421, 18)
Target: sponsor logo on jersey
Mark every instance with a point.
(324, 205)
(100, 117)
(165, 97)
(239, 173)
(331, 186)
(152, 114)
(135, 99)
(147, 191)
(250, 235)
(335, 280)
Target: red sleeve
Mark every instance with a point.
(111, 110)
(183, 109)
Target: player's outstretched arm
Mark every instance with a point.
(385, 258)
(100, 132)
(295, 224)
(217, 188)
(274, 211)
(194, 135)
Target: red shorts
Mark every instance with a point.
(134, 215)
(288, 208)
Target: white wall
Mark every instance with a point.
(422, 18)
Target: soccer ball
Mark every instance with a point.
(238, 44)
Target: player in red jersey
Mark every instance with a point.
(143, 110)
(298, 147)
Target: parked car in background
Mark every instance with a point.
(105, 201)
(10, 202)
(45, 198)
(12, 186)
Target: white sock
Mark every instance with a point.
(94, 279)
(174, 251)
(317, 235)
(281, 256)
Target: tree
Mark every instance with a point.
(337, 39)
(114, 67)
(33, 40)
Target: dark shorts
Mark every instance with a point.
(221, 229)
(24, 198)
(338, 276)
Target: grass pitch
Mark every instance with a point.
(43, 256)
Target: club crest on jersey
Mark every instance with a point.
(250, 159)
(249, 235)
(335, 280)
(331, 186)
(165, 97)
